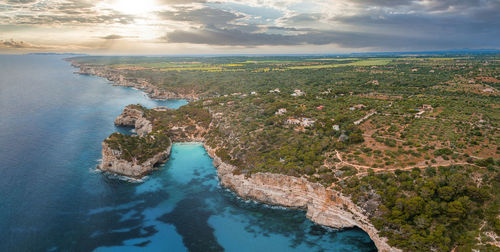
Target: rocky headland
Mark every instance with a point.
(322, 205)
(133, 117)
(113, 163)
(113, 159)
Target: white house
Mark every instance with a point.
(281, 111)
(306, 122)
(298, 92)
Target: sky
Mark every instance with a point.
(247, 27)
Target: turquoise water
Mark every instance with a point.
(52, 199)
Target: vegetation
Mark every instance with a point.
(414, 141)
(140, 149)
(431, 209)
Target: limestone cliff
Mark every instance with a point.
(323, 206)
(133, 117)
(112, 162)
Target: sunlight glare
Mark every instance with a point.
(134, 6)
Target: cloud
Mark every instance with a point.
(116, 37)
(303, 19)
(377, 24)
(232, 37)
(206, 16)
(21, 1)
(72, 19)
(183, 2)
(69, 12)
(13, 44)
(384, 3)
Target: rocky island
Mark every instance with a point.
(346, 154)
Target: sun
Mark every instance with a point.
(134, 7)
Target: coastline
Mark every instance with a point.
(118, 79)
(322, 205)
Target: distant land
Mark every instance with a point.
(49, 53)
(402, 53)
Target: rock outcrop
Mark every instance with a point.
(133, 117)
(323, 206)
(111, 162)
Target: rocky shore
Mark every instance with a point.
(111, 162)
(111, 159)
(322, 205)
(132, 117)
(118, 78)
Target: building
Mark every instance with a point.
(307, 122)
(281, 111)
(292, 121)
(336, 127)
(277, 90)
(320, 107)
(298, 92)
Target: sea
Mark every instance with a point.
(52, 198)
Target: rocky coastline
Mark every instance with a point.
(322, 205)
(132, 117)
(111, 162)
(119, 79)
(111, 159)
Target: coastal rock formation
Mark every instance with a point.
(323, 206)
(133, 117)
(111, 162)
(119, 79)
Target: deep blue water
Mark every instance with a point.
(52, 123)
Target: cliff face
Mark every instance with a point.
(323, 206)
(111, 162)
(132, 117)
(119, 79)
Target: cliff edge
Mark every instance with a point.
(322, 205)
(113, 162)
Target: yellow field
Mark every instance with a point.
(369, 62)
